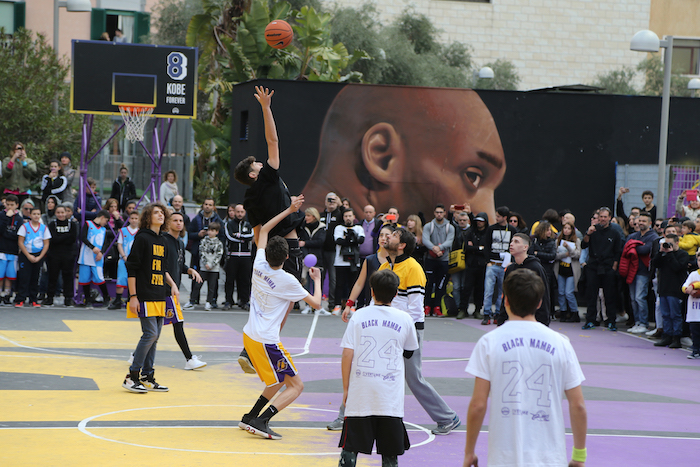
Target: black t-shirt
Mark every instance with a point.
(267, 197)
(175, 260)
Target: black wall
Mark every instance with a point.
(560, 148)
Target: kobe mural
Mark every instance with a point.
(414, 147)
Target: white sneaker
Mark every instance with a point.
(187, 306)
(195, 363)
(207, 306)
(640, 329)
(306, 310)
(650, 333)
(322, 312)
(622, 318)
(131, 358)
(633, 328)
(687, 341)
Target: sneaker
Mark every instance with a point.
(665, 342)
(694, 356)
(115, 304)
(207, 306)
(36, 305)
(306, 310)
(69, 302)
(261, 427)
(245, 363)
(477, 315)
(653, 332)
(622, 318)
(426, 310)
(447, 427)
(134, 386)
(7, 300)
(195, 363)
(131, 358)
(48, 301)
(150, 383)
(461, 314)
(19, 304)
(245, 420)
(187, 306)
(676, 344)
(245, 307)
(612, 327)
(587, 326)
(226, 306)
(437, 311)
(336, 425)
(322, 312)
(640, 329)
(687, 341)
(336, 310)
(485, 321)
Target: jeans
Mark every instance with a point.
(145, 353)
(436, 274)
(457, 286)
(493, 279)
(671, 315)
(638, 295)
(566, 293)
(695, 334)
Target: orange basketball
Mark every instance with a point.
(279, 34)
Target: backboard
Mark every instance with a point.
(105, 75)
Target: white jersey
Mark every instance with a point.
(378, 335)
(693, 315)
(34, 238)
(529, 367)
(272, 291)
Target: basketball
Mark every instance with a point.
(279, 34)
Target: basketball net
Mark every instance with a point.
(135, 121)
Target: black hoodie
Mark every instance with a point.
(147, 263)
(532, 263)
(64, 235)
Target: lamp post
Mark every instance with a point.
(648, 41)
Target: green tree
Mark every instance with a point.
(30, 77)
(171, 18)
(617, 81)
(505, 77)
(653, 70)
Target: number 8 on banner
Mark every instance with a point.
(177, 66)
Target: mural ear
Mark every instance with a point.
(383, 153)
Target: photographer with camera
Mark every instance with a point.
(348, 238)
(671, 265)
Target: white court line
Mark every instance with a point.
(83, 354)
(309, 338)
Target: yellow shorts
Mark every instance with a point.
(271, 361)
(147, 310)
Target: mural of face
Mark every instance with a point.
(409, 147)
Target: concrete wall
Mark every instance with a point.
(551, 42)
(675, 17)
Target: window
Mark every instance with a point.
(12, 16)
(134, 25)
(686, 56)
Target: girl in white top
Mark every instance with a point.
(169, 189)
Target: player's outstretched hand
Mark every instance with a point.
(264, 95)
(315, 274)
(297, 201)
(471, 460)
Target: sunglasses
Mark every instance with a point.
(19, 148)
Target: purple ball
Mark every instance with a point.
(310, 260)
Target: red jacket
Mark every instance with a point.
(629, 261)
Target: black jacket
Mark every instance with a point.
(175, 260)
(331, 219)
(64, 235)
(671, 272)
(314, 235)
(545, 251)
(8, 232)
(532, 263)
(123, 192)
(239, 235)
(475, 254)
(604, 248)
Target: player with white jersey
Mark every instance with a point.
(273, 290)
(526, 369)
(377, 339)
(124, 242)
(90, 258)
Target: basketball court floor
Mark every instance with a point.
(62, 402)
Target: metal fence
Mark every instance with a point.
(178, 156)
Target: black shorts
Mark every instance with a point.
(359, 434)
(294, 263)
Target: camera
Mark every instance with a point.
(667, 245)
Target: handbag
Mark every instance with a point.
(457, 261)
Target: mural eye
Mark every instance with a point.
(473, 176)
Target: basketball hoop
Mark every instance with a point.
(135, 118)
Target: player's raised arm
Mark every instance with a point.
(297, 201)
(264, 96)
